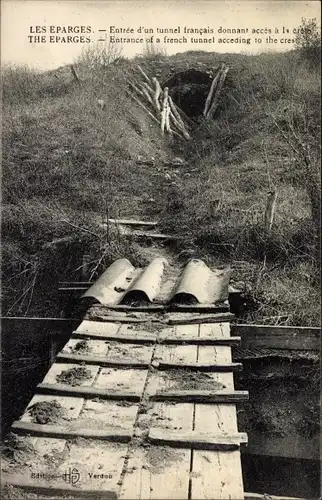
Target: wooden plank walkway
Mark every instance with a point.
(136, 411)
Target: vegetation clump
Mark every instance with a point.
(74, 376)
(46, 412)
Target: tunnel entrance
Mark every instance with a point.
(189, 90)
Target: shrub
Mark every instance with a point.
(308, 41)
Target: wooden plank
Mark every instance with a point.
(196, 440)
(215, 318)
(173, 357)
(200, 308)
(109, 353)
(211, 341)
(140, 331)
(156, 472)
(88, 392)
(126, 319)
(58, 368)
(135, 338)
(122, 381)
(59, 490)
(132, 222)
(161, 472)
(199, 367)
(97, 327)
(47, 446)
(221, 419)
(217, 475)
(203, 397)
(278, 337)
(71, 406)
(93, 347)
(67, 432)
(100, 360)
(125, 308)
(98, 464)
(152, 236)
(104, 413)
(215, 330)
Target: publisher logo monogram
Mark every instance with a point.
(72, 476)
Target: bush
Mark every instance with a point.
(308, 41)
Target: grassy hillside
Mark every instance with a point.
(66, 163)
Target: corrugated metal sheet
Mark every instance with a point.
(160, 283)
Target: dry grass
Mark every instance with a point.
(67, 162)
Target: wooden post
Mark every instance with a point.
(136, 88)
(157, 93)
(144, 74)
(164, 109)
(211, 91)
(167, 119)
(220, 84)
(144, 107)
(178, 126)
(84, 268)
(75, 76)
(107, 224)
(176, 113)
(146, 94)
(148, 88)
(270, 209)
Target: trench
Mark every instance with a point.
(30, 345)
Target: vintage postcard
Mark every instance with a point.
(161, 201)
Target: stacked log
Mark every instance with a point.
(158, 104)
(212, 100)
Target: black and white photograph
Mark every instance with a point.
(160, 250)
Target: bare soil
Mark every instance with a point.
(160, 457)
(283, 398)
(186, 379)
(81, 347)
(17, 449)
(46, 412)
(74, 376)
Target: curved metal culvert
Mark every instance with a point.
(199, 284)
(147, 286)
(110, 287)
(184, 298)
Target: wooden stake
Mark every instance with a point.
(148, 88)
(211, 91)
(147, 110)
(157, 93)
(144, 74)
(146, 94)
(214, 104)
(176, 113)
(75, 76)
(270, 209)
(164, 109)
(179, 127)
(136, 88)
(142, 106)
